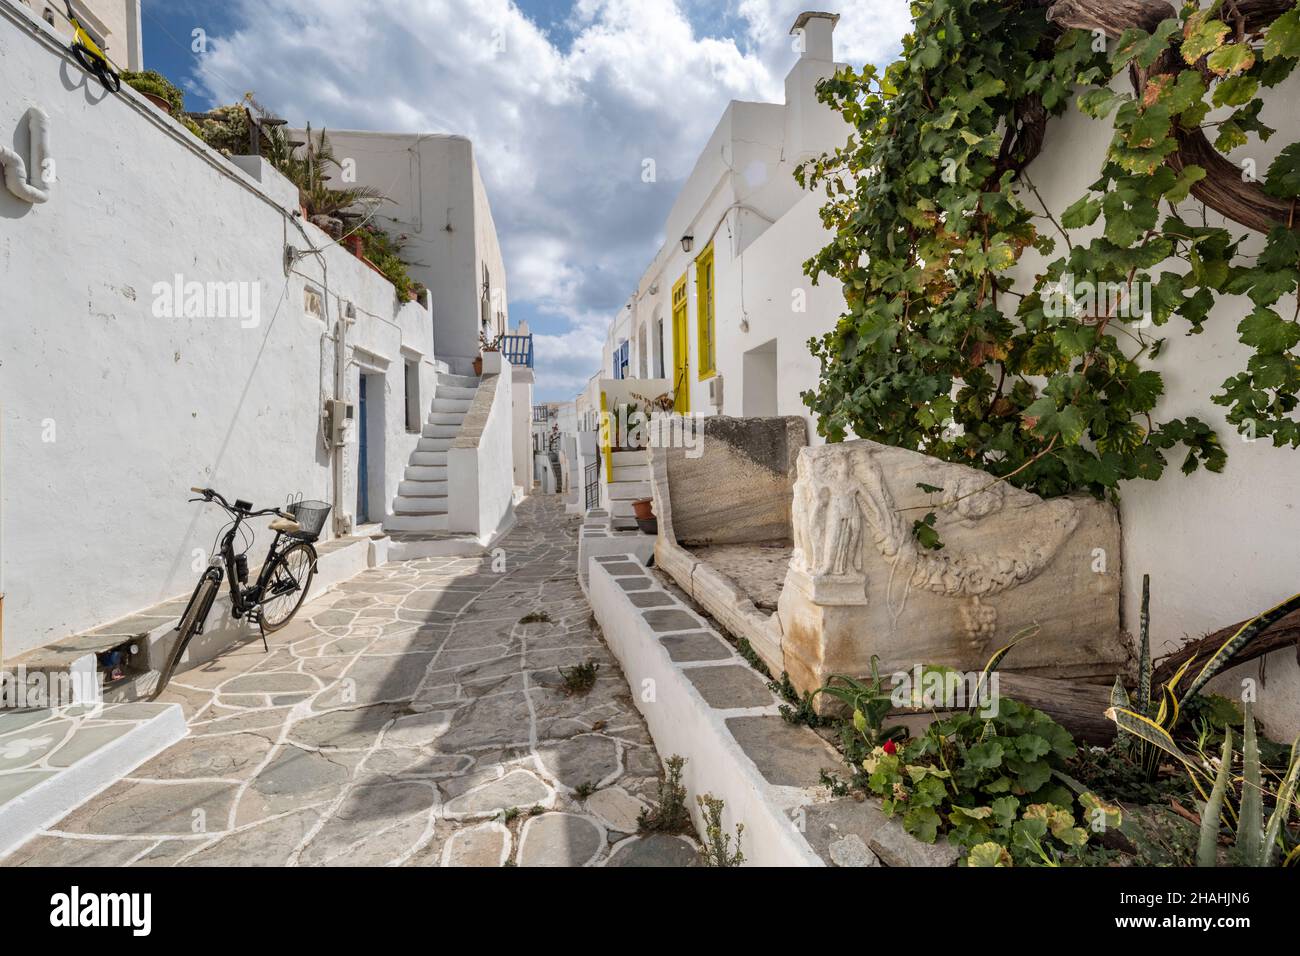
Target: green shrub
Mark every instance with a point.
(154, 83)
(669, 814)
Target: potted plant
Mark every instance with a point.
(643, 509)
(485, 345)
(157, 89)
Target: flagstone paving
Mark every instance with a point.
(411, 717)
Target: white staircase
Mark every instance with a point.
(631, 482)
(421, 502)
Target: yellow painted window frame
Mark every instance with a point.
(706, 286)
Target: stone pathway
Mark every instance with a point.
(416, 715)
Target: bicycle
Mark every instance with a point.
(92, 59)
(281, 585)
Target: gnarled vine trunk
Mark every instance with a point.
(1223, 189)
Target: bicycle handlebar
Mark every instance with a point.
(210, 494)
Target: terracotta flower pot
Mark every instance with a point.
(159, 102)
(644, 508)
(478, 365)
(354, 245)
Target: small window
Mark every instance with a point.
(312, 304)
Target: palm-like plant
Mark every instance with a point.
(311, 169)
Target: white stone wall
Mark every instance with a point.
(437, 201)
(1219, 548)
(111, 412)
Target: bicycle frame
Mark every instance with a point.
(245, 599)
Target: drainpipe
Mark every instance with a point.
(346, 316)
(30, 184)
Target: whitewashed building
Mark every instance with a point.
(168, 319)
(724, 311)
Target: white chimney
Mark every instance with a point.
(811, 127)
(813, 30)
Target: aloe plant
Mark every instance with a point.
(870, 702)
(1256, 844)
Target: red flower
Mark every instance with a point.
(889, 747)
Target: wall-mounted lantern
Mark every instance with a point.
(687, 241)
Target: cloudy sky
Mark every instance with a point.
(563, 99)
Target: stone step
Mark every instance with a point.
(457, 381)
(427, 472)
(621, 509)
(453, 391)
(446, 418)
(440, 430)
(412, 488)
(630, 457)
(424, 522)
(631, 472)
(452, 404)
(629, 490)
(403, 505)
(433, 444)
(429, 459)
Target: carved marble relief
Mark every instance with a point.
(844, 509)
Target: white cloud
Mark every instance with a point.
(560, 133)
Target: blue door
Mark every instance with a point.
(363, 496)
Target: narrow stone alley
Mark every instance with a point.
(415, 715)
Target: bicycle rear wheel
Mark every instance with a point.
(287, 585)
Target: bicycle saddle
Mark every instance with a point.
(286, 525)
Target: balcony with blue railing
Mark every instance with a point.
(518, 350)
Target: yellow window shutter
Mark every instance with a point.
(704, 311)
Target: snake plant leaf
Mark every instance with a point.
(1119, 698)
(1144, 652)
(1250, 826)
(1167, 715)
(1021, 635)
(1118, 695)
(1179, 674)
(1148, 730)
(1286, 794)
(1208, 848)
(1233, 645)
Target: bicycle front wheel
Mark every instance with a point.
(196, 613)
(287, 585)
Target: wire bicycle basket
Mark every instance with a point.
(311, 516)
